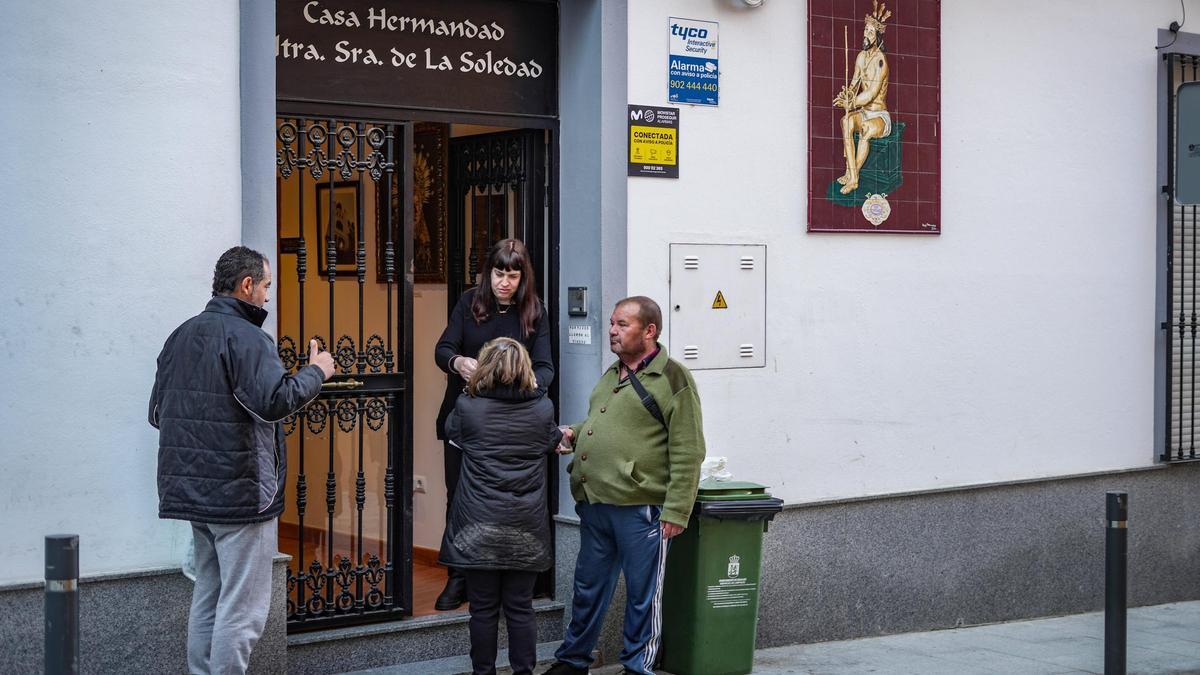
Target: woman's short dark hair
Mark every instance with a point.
(509, 255)
(234, 265)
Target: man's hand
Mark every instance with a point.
(465, 366)
(567, 445)
(670, 530)
(320, 359)
(845, 99)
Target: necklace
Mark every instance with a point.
(502, 309)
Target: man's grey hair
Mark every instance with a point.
(234, 265)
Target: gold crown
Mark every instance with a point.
(877, 17)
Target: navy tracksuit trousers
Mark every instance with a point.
(615, 539)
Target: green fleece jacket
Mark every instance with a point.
(624, 457)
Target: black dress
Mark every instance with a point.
(463, 337)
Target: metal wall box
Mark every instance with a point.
(577, 301)
(717, 314)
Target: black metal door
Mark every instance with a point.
(344, 245)
(499, 188)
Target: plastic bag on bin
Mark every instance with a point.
(714, 467)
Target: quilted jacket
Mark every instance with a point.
(499, 519)
(218, 397)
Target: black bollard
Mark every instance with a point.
(1115, 558)
(62, 604)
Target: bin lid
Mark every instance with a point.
(762, 508)
(712, 490)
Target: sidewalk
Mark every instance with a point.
(1162, 639)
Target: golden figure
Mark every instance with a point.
(422, 192)
(864, 98)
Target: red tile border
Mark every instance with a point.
(928, 13)
(821, 88)
(929, 128)
(913, 49)
(927, 157)
(927, 71)
(820, 30)
(904, 38)
(927, 100)
(930, 187)
(912, 130)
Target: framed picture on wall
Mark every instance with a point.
(874, 117)
(430, 147)
(344, 215)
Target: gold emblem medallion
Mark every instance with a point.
(876, 209)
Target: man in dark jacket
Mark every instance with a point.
(219, 395)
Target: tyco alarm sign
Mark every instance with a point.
(653, 141)
(692, 64)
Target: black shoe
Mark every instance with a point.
(560, 668)
(453, 595)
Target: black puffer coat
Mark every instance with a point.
(498, 520)
(218, 396)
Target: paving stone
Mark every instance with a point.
(1162, 639)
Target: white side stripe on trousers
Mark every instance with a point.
(656, 606)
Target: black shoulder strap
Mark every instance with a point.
(647, 399)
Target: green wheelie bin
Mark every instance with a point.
(710, 592)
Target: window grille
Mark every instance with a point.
(1183, 281)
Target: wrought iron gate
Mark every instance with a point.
(1183, 284)
(339, 183)
(496, 181)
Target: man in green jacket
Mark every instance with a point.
(634, 479)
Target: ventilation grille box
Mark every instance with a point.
(717, 314)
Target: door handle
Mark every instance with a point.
(343, 384)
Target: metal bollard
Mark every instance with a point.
(1115, 567)
(62, 604)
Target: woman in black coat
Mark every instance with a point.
(505, 304)
(498, 527)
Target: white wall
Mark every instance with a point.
(429, 384)
(121, 181)
(1017, 344)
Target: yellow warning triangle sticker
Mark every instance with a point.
(719, 301)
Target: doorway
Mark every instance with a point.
(382, 224)
(496, 186)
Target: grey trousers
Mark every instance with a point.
(232, 595)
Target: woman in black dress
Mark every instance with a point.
(505, 304)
